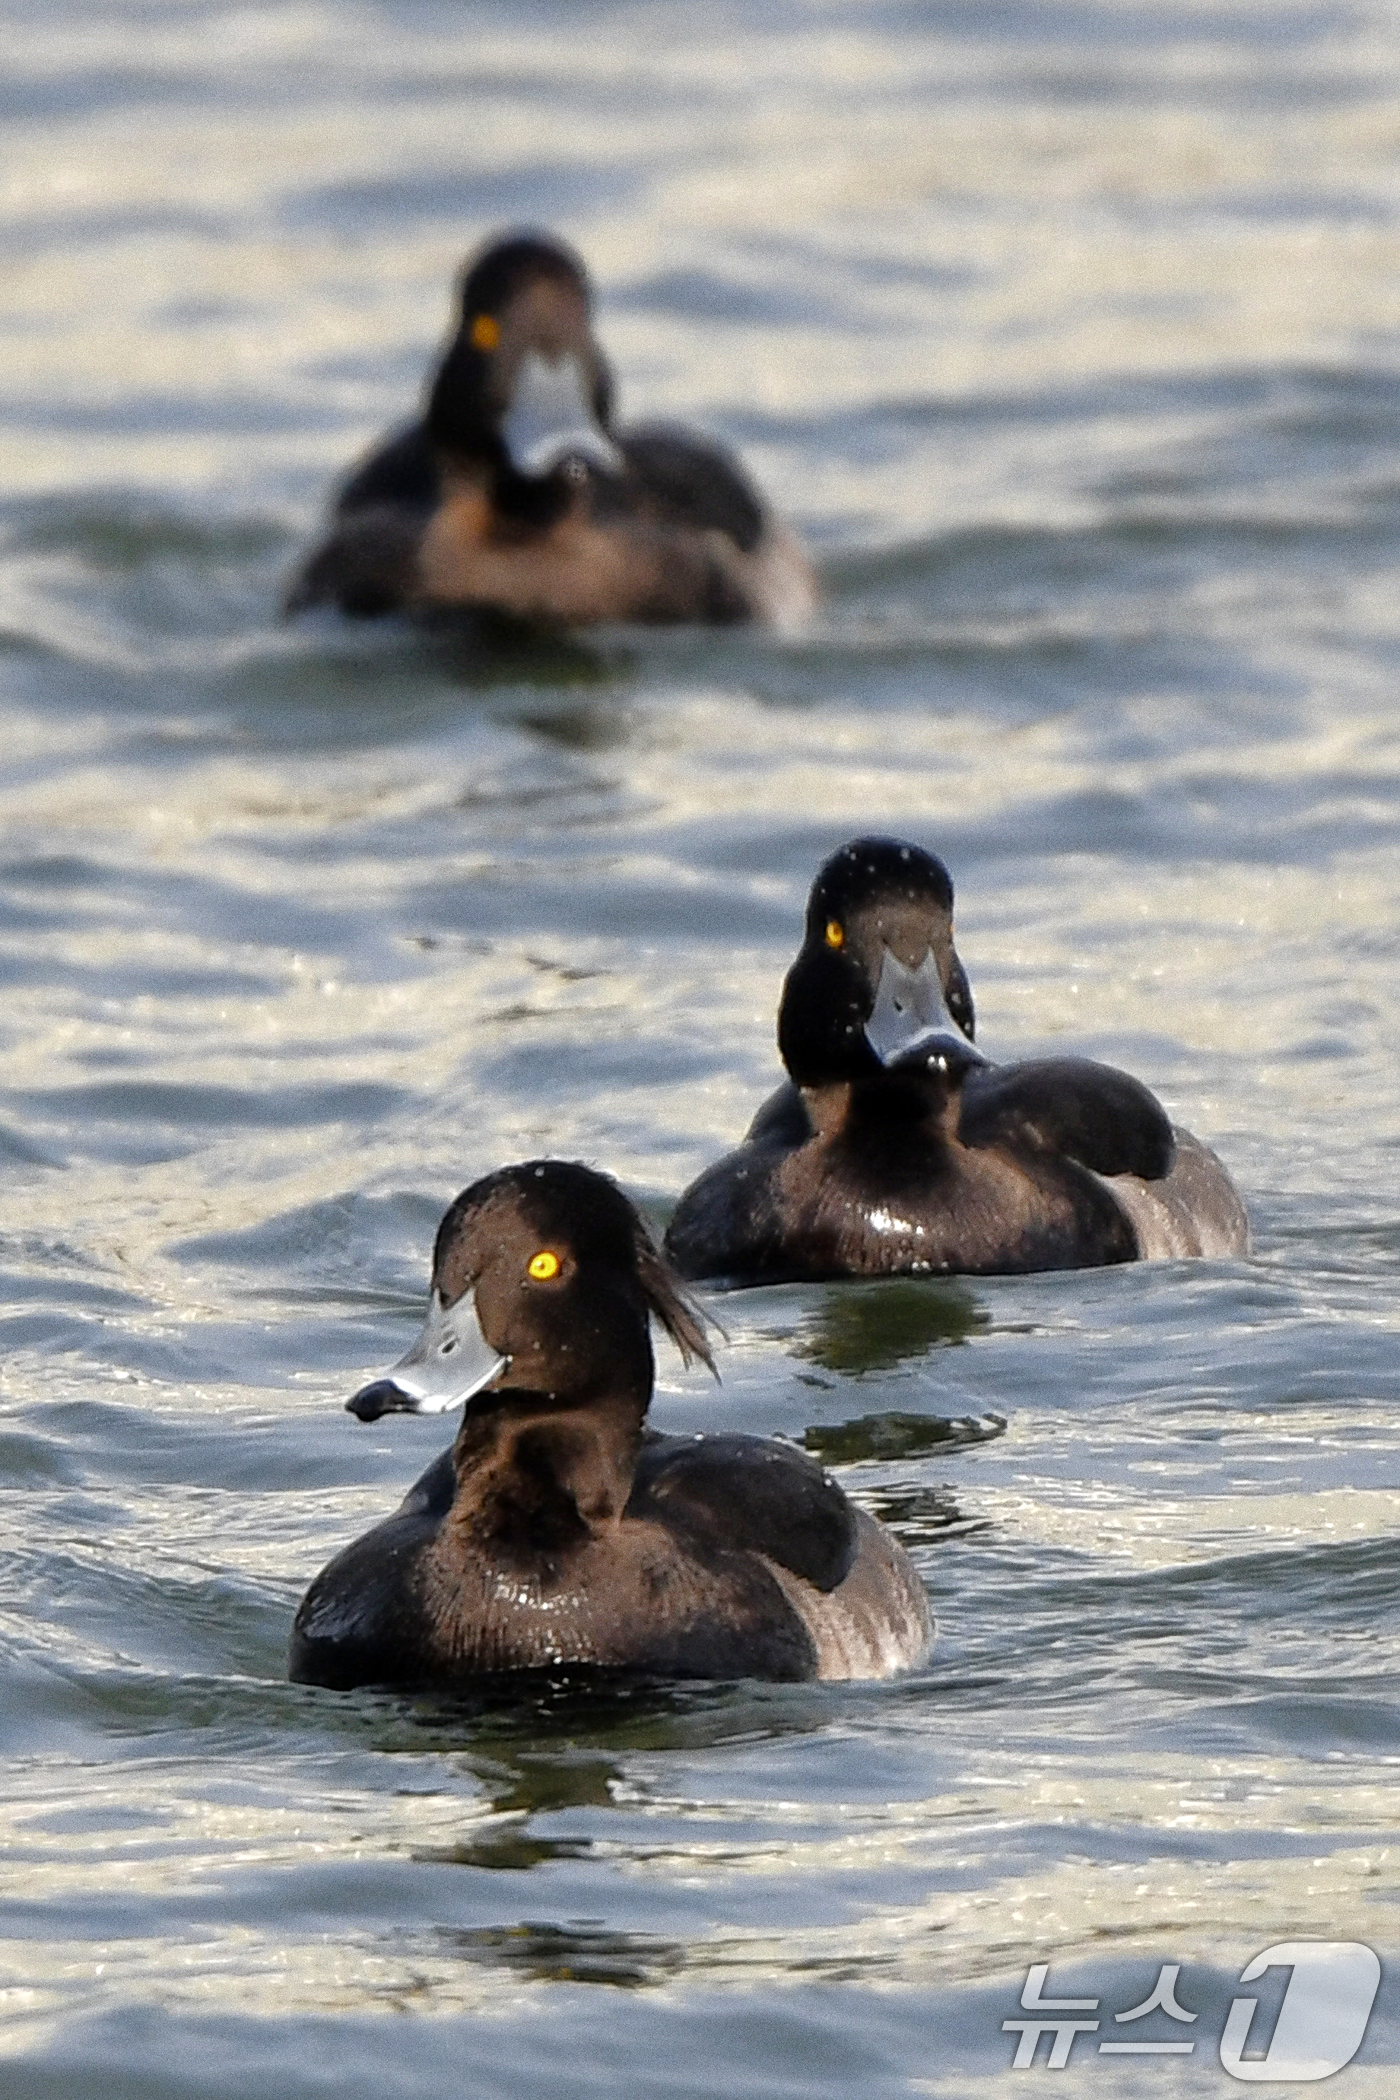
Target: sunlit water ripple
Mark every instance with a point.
(1067, 335)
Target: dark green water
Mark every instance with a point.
(1068, 337)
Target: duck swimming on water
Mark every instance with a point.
(514, 493)
(898, 1148)
(559, 1530)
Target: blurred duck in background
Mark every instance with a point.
(898, 1148)
(514, 493)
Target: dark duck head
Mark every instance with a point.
(877, 991)
(543, 1280)
(524, 391)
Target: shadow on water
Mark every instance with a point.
(583, 728)
(871, 1327)
(583, 1951)
(547, 1739)
(542, 1747)
(507, 1849)
(535, 1743)
(493, 648)
(892, 1435)
(920, 1516)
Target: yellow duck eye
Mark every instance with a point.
(486, 331)
(835, 934)
(544, 1265)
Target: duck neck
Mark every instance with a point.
(520, 504)
(538, 1473)
(530, 503)
(894, 1107)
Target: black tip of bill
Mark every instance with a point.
(380, 1397)
(952, 1056)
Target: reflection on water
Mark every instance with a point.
(602, 728)
(921, 1516)
(569, 1779)
(580, 1952)
(872, 1327)
(891, 1435)
(509, 1848)
(486, 650)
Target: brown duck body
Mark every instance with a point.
(920, 1181)
(624, 548)
(704, 1575)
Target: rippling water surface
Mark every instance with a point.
(1067, 334)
